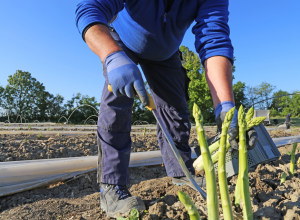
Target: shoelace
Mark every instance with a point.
(122, 191)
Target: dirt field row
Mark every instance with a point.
(31, 147)
(79, 197)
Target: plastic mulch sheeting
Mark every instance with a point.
(18, 176)
(286, 140)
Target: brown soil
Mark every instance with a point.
(25, 147)
(29, 147)
(284, 133)
(79, 198)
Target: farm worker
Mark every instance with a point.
(149, 33)
(287, 121)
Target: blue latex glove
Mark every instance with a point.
(233, 131)
(124, 76)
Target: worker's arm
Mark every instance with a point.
(100, 41)
(123, 74)
(92, 18)
(218, 72)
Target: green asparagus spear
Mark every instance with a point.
(283, 178)
(243, 163)
(237, 192)
(249, 115)
(211, 185)
(292, 166)
(254, 122)
(189, 205)
(226, 204)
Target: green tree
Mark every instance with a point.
(260, 94)
(239, 94)
(1, 94)
(265, 91)
(20, 93)
(83, 112)
(293, 105)
(88, 101)
(251, 95)
(198, 88)
(47, 106)
(279, 103)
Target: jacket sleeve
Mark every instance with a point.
(90, 12)
(212, 31)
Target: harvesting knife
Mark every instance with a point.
(151, 107)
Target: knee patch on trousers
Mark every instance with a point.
(115, 119)
(177, 122)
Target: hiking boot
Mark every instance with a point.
(116, 200)
(180, 181)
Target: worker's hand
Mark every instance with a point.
(233, 130)
(124, 76)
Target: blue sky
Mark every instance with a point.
(41, 37)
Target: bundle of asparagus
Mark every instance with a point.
(243, 190)
(245, 122)
(198, 163)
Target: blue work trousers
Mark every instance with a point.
(167, 81)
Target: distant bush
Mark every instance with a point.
(274, 113)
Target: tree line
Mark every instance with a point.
(24, 96)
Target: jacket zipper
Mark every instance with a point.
(166, 13)
(165, 22)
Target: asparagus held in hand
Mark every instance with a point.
(243, 163)
(226, 204)
(292, 166)
(249, 115)
(189, 205)
(198, 163)
(211, 184)
(254, 122)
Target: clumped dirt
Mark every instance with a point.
(13, 149)
(149, 142)
(30, 147)
(78, 198)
